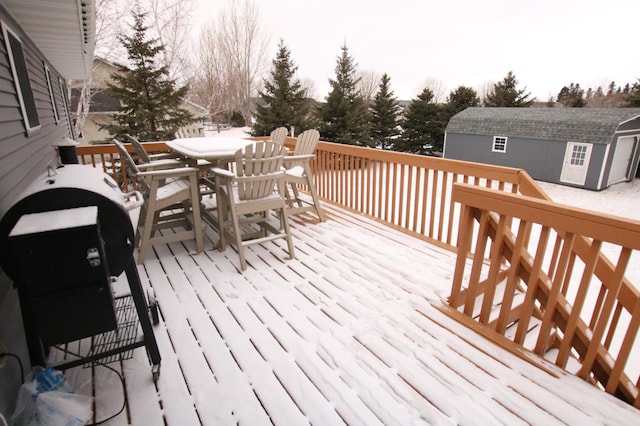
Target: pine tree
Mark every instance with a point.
(507, 94)
(149, 101)
(423, 125)
(633, 98)
(284, 99)
(343, 117)
(572, 96)
(461, 98)
(384, 116)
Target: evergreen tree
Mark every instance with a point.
(384, 116)
(461, 98)
(284, 99)
(633, 98)
(423, 126)
(149, 101)
(572, 96)
(507, 94)
(343, 117)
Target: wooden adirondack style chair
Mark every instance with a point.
(169, 159)
(246, 198)
(298, 172)
(279, 135)
(172, 200)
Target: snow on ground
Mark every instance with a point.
(622, 199)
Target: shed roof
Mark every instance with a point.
(593, 125)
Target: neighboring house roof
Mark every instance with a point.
(64, 31)
(592, 125)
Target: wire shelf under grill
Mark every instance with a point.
(122, 340)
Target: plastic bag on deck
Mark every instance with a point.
(46, 398)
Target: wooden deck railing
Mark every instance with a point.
(516, 250)
(548, 284)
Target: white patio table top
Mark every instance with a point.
(210, 149)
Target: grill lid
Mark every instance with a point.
(75, 185)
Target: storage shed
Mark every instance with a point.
(591, 148)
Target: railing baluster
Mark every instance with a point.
(532, 287)
(607, 307)
(513, 276)
(550, 307)
(496, 255)
(569, 333)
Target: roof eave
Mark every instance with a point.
(63, 30)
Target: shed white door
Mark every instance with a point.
(576, 163)
(622, 159)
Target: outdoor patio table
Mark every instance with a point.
(213, 152)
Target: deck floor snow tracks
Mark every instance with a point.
(343, 334)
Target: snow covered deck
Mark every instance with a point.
(344, 334)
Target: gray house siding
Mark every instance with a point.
(22, 158)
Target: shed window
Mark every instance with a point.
(578, 155)
(21, 79)
(54, 106)
(499, 144)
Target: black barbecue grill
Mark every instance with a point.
(63, 243)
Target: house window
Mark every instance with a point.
(499, 144)
(54, 106)
(65, 105)
(578, 155)
(21, 79)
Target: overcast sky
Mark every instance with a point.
(547, 43)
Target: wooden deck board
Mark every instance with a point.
(343, 334)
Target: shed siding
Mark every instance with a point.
(22, 158)
(542, 159)
(520, 153)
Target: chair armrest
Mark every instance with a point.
(170, 173)
(162, 164)
(298, 158)
(164, 156)
(220, 172)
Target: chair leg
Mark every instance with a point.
(238, 237)
(284, 224)
(296, 194)
(312, 190)
(223, 206)
(197, 217)
(147, 232)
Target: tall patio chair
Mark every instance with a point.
(298, 172)
(246, 198)
(168, 159)
(279, 135)
(172, 200)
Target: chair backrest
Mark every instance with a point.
(279, 135)
(306, 142)
(258, 169)
(305, 145)
(132, 168)
(139, 149)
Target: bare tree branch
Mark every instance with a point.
(232, 59)
(368, 84)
